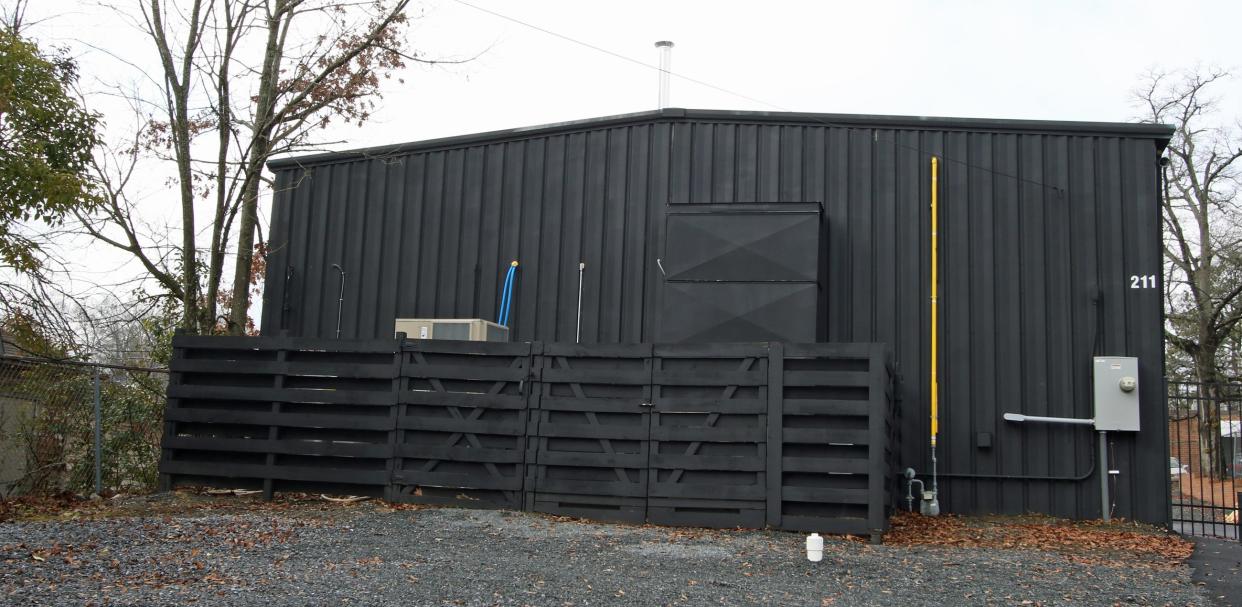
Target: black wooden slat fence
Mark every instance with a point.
(708, 462)
(728, 435)
(461, 426)
(832, 440)
(591, 430)
(281, 413)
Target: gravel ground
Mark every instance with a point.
(375, 555)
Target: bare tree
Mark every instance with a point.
(337, 77)
(178, 72)
(116, 220)
(1202, 239)
(239, 82)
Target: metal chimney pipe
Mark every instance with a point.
(666, 64)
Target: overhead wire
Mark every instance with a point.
(1059, 190)
(620, 56)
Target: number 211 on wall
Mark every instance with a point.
(1145, 281)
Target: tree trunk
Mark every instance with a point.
(177, 89)
(189, 258)
(1211, 464)
(260, 147)
(238, 314)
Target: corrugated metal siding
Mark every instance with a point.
(1041, 232)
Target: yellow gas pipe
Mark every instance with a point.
(935, 278)
(934, 506)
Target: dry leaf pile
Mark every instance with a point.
(67, 506)
(45, 506)
(1089, 542)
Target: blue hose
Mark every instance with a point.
(504, 298)
(506, 295)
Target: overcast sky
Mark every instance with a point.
(1056, 60)
(1068, 60)
(1073, 60)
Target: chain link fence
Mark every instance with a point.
(80, 427)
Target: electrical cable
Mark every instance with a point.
(617, 55)
(1059, 190)
(1076, 478)
(1112, 479)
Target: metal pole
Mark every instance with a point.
(1018, 417)
(1104, 503)
(666, 64)
(340, 302)
(578, 332)
(98, 437)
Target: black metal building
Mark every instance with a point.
(1047, 231)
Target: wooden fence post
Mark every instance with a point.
(394, 414)
(878, 403)
(534, 390)
(165, 482)
(776, 397)
(273, 432)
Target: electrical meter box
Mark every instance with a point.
(1116, 393)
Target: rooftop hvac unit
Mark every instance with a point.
(462, 329)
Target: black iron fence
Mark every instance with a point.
(1205, 457)
(731, 435)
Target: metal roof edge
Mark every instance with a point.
(1159, 132)
(1133, 129)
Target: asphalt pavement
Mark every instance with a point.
(1217, 565)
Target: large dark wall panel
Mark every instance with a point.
(726, 312)
(1042, 226)
(741, 273)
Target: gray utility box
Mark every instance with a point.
(463, 329)
(1116, 393)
